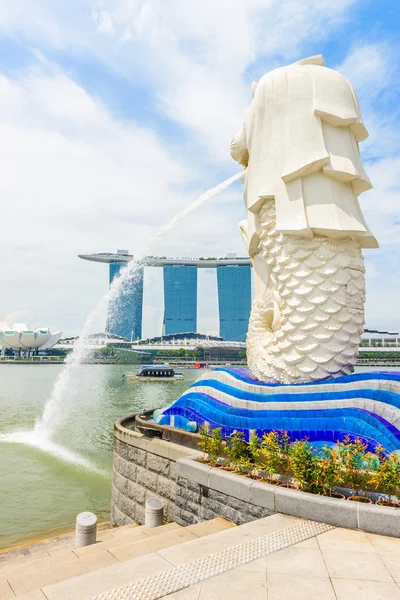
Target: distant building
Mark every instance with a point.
(180, 299)
(234, 301)
(208, 348)
(377, 338)
(180, 294)
(22, 340)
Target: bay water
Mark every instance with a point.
(41, 491)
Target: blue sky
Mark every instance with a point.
(115, 114)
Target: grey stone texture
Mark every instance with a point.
(139, 474)
(317, 508)
(383, 520)
(196, 502)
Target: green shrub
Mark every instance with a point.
(237, 452)
(305, 466)
(255, 450)
(270, 457)
(357, 464)
(330, 469)
(284, 448)
(205, 438)
(387, 476)
(211, 442)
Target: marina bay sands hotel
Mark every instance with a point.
(180, 294)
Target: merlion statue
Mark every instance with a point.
(304, 229)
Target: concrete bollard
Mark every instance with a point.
(154, 513)
(86, 529)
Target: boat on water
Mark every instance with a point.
(155, 373)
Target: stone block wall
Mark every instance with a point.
(143, 468)
(196, 502)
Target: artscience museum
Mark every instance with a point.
(22, 339)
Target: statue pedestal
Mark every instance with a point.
(362, 405)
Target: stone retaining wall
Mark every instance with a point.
(192, 491)
(142, 468)
(204, 492)
(195, 502)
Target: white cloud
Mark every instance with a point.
(369, 68)
(104, 21)
(75, 178)
(200, 52)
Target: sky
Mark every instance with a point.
(116, 114)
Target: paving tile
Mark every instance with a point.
(160, 530)
(31, 565)
(191, 593)
(103, 536)
(345, 540)
(392, 563)
(209, 527)
(235, 585)
(351, 589)
(128, 537)
(63, 553)
(29, 578)
(98, 582)
(97, 561)
(297, 561)
(5, 591)
(288, 587)
(258, 566)
(383, 543)
(36, 595)
(310, 543)
(9, 563)
(186, 552)
(117, 531)
(272, 523)
(356, 565)
(152, 544)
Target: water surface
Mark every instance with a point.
(39, 493)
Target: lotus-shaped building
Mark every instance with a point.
(20, 337)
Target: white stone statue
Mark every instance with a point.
(304, 229)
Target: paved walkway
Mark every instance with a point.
(337, 565)
(239, 563)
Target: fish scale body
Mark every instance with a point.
(317, 289)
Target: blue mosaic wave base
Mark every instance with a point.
(363, 405)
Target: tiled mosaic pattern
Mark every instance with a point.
(365, 405)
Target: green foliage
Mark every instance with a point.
(347, 462)
(284, 450)
(106, 352)
(357, 464)
(216, 445)
(237, 451)
(387, 475)
(255, 450)
(384, 355)
(305, 466)
(270, 459)
(181, 353)
(330, 469)
(205, 437)
(211, 442)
